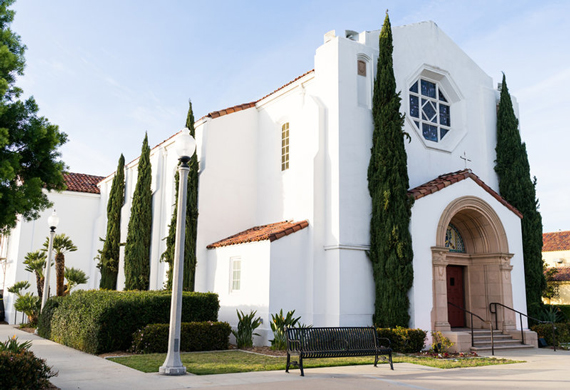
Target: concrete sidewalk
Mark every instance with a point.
(544, 369)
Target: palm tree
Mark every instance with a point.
(61, 245)
(74, 277)
(36, 262)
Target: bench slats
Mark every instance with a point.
(325, 342)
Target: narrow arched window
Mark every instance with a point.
(285, 146)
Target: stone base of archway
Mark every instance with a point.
(461, 339)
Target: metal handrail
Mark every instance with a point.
(472, 332)
(494, 304)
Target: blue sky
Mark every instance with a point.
(107, 71)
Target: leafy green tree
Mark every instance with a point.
(517, 187)
(137, 249)
(35, 263)
(29, 159)
(109, 255)
(390, 240)
(191, 227)
(74, 277)
(62, 244)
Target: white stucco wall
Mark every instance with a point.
(77, 212)
(426, 214)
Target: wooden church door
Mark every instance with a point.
(455, 295)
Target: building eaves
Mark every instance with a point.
(448, 179)
(80, 182)
(270, 232)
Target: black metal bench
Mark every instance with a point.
(335, 342)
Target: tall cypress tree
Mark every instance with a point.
(517, 187)
(137, 249)
(390, 240)
(109, 255)
(191, 227)
(191, 212)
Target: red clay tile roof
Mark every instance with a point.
(450, 178)
(80, 182)
(231, 110)
(563, 274)
(556, 241)
(245, 106)
(269, 232)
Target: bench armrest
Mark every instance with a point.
(289, 342)
(384, 338)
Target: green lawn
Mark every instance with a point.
(206, 363)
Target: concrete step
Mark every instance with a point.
(499, 348)
(508, 343)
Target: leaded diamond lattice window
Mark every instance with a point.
(453, 240)
(430, 110)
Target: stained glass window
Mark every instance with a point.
(453, 240)
(434, 108)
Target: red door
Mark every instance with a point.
(455, 295)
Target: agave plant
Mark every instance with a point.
(61, 245)
(12, 345)
(246, 325)
(278, 324)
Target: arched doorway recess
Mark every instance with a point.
(485, 262)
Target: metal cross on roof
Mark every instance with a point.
(464, 157)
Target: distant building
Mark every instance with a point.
(556, 253)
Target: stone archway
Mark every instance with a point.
(486, 262)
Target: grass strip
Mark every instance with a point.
(226, 362)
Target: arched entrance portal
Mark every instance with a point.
(475, 274)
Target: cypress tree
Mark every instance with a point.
(137, 248)
(191, 212)
(390, 240)
(517, 187)
(109, 255)
(191, 227)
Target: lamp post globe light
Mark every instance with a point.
(53, 221)
(185, 146)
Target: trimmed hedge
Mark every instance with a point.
(545, 331)
(24, 371)
(99, 321)
(194, 336)
(404, 340)
(44, 320)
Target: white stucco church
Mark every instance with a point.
(284, 204)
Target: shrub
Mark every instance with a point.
(30, 305)
(562, 310)
(20, 369)
(99, 321)
(45, 318)
(403, 339)
(246, 325)
(278, 324)
(12, 345)
(194, 336)
(440, 343)
(545, 331)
